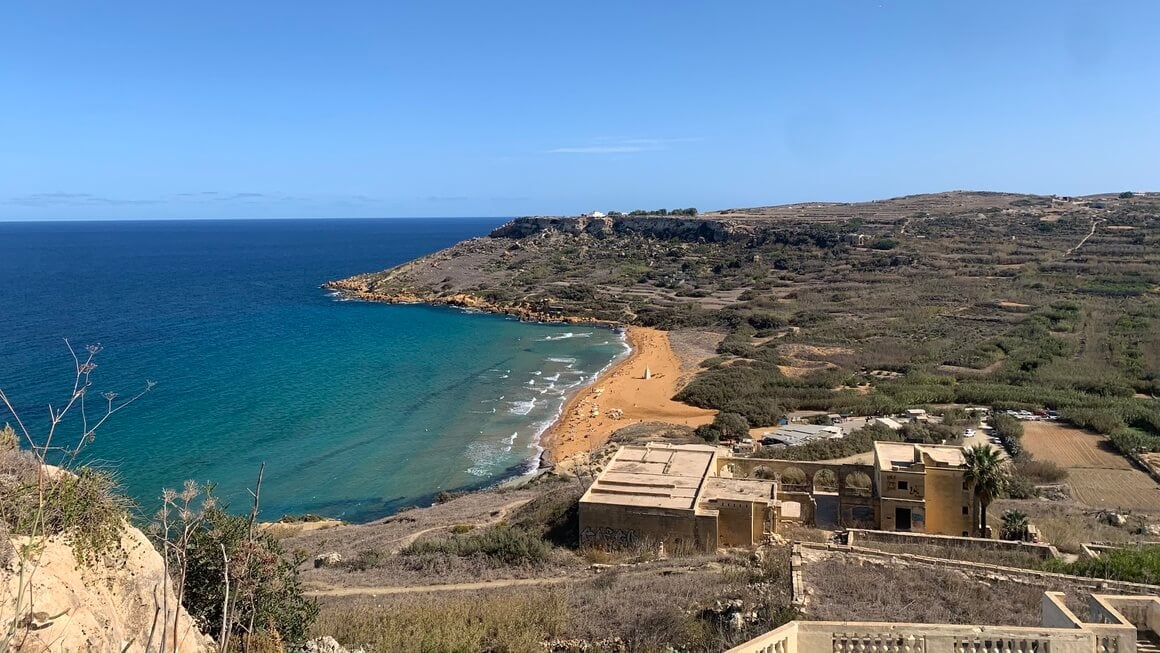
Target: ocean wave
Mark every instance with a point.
(554, 377)
(557, 359)
(566, 336)
(522, 408)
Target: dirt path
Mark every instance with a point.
(405, 541)
(1095, 223)
(451, 587)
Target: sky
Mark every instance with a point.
(139, 110)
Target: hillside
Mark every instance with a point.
(962, 296)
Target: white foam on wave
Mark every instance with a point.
(566, 335)
(554, 377)
(522, 408)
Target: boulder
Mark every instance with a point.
(332, 559)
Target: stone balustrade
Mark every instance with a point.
(1063, 634)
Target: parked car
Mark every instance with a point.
(969, 433)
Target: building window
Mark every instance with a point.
(965, 511)
(965, 534)
(904, 485)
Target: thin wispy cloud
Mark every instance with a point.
(60, 199)
(72, 199)
(621, 146)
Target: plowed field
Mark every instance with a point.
(1115, 489)
(1099, 477)
(1068, 446)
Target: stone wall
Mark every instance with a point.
(608, 525)
(856, 536)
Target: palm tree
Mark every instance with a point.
(1014, 525)
(986, 473)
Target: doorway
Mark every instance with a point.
(902, 519)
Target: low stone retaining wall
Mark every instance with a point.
(797, 586)
(1086, 581)
(1043, 551)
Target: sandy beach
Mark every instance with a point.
(623, 396)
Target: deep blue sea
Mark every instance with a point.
(357, 409)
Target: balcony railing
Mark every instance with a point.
(1065, 635)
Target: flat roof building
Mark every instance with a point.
(922, 488)
(794, 434)
(672, 495)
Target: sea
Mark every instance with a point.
(355, 409)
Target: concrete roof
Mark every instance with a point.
(745, 489)
(889, 454)
(656, 476)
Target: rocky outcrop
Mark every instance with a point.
(112, 605)
(359, 288)
(713, 230)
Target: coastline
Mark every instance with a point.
(619, 395)
(622, 396)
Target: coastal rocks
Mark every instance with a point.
(360, 289)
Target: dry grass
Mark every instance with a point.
(964, 553)
(634, 608)
(501, 621)
(843, 589)
(1067, 525)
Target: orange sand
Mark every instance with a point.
(624, 388)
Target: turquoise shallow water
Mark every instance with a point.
(357, 409)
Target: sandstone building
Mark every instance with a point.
(696, 496)
(921, 488)
(661, 493)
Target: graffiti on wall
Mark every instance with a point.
(617, 537)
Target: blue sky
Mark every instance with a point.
(373, 109)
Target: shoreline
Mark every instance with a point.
(621, 396)
(618, 395)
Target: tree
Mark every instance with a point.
(1015, 526)
(987, 475)
(728, 426)
(731, 425)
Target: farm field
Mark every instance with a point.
(1069, 447)
(1099, 477)
(1115, 489)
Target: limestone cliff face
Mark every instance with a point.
(114, 606)
(713, 230)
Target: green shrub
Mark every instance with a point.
(263, 580)
(1039, 471)
(85, 506)
(512, 546)
(1136, 565)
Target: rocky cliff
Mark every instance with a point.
(712, 230)
(113, 605)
